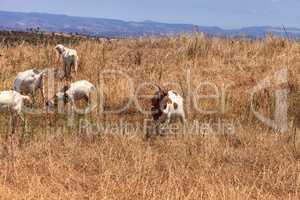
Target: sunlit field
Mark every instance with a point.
(223, 151)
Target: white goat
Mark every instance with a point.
(71, 93)
(12, 101)
(167, 105)
(29, 82)
(70, 59)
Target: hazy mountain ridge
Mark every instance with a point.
(119, 28)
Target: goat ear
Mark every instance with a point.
(58, 51)
(36, 71)
(65, 88)
(162, 93)
(55, 97)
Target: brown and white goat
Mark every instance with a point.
(167, 105)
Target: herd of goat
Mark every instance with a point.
(165, 104)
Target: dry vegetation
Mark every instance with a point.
(255, 162)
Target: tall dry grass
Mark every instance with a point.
(253, 163)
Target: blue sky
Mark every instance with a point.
(223, 13)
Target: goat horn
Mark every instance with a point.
(159, 88)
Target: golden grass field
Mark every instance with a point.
(251, 162)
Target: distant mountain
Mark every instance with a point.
(119, 28)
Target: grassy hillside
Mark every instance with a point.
(244, 159)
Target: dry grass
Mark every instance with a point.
(252, 163)
(248, 165)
